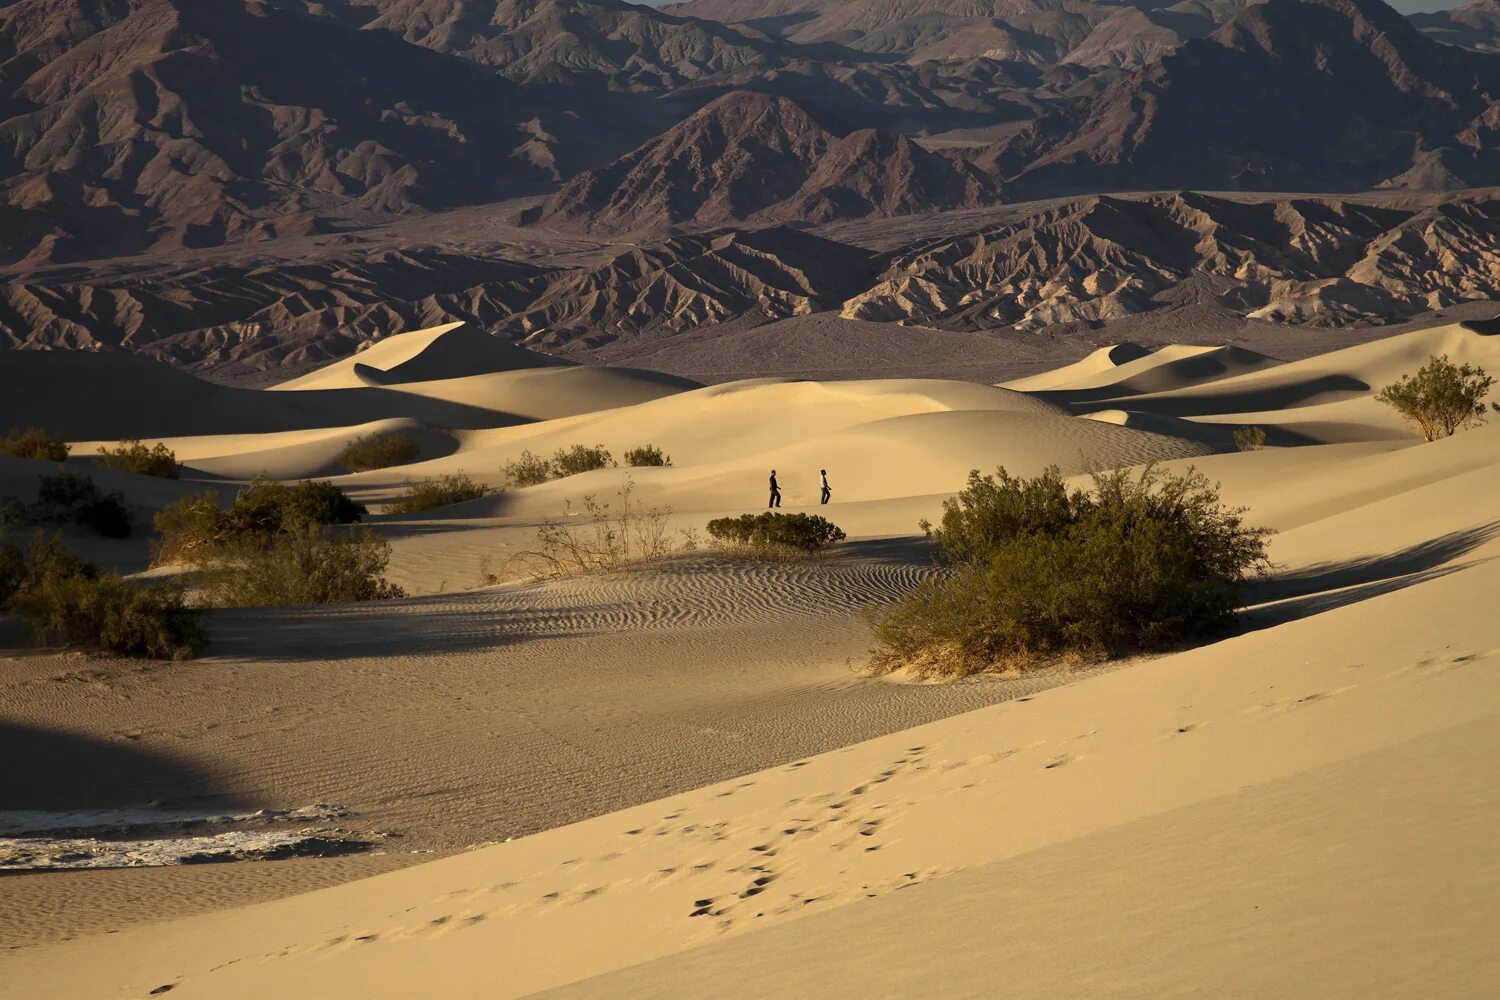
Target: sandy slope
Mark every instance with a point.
(708, 799)
(1113, 832)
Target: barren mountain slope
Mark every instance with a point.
(1290, 95)
(692, 282)
(1316, 261)
(245, 318)
(1033, 31)
(564, 41)
(162, 123)
(1475, 25)
(748, 156)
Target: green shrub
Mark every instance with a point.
(69, 498)
(12, 569)
(1041, 572)
(264, 506)
(151, 620)
(304, 565)
(132, 456)
(581, 458)
(427, 494)
(802, 532)
(379, 451)
(1441, 398)
(194, 528)
(1250, 438)
(34, 442)
(528, 470)
(647, 455)
(62, 599)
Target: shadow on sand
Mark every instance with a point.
(1289, 597)
(51, 770)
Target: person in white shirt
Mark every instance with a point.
(826, 491)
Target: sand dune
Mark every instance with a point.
(707, 798)
(1102, 362)
(93, 397)
(452, 350)
(1128, 804)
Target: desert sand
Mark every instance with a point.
(672, 781)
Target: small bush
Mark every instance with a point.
(1041, 572)
(800, 532)
(427, 494)
(647, 456)
(1249, 438)
(602, 537)
(34, 442)
(266, 506)
(1441, 398)
(193, 528)
(132, 456)
(152, 620)
(581, 458)
(379, 451)
(62, 599)
(12, 569)
(304, 565)
(68, 498)
(528, 470)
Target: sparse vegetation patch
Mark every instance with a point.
(801, 533)
(1441, 398)
(1249, 438)
(379, 451)
(34, 442)
(68, 498)
(647, 456)
(1042, 572)
(307, 564)
(133, 456)
(195, 529)
(64, 600)
(428, 494)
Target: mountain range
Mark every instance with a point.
(668, 139)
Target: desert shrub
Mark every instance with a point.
(427, 494)
(1249, 438)
(602, 536)
(150, 620)
(581, 458)
(991, 509)
(528, 470)
(62, 599)
(647, 455)
(133, 456)
(379, 451)
(46, 560)
(69, 498)
(268, 506)
(306, 564)
(799, 532)
(34, 442)
(12, 569)
(1441, 398)
(194, 528)
(188, 528)
(1041, 572)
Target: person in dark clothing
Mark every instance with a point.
(826, 491)
(775, 492)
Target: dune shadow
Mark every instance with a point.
(46, 769)
(370, 630)
(1317, 589)
(1193, 403)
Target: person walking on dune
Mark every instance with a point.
(775, 500)
(826, 491)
